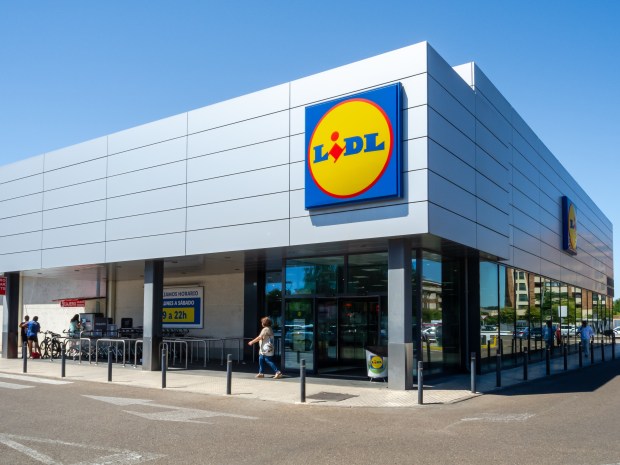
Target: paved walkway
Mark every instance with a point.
(319, 391)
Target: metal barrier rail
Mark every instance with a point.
(139, 341)
(110, 342)
(174, 342)
(194, 340)
(90, 347)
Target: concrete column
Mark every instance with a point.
(400, 345)
(153, 307)
(10, 320)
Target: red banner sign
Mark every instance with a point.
(72, 303)
(2, 286)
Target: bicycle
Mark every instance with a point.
(51, 346)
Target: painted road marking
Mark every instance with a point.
(33, 379)
(501, 417)
(13, 386)
(112, 456)
(172, 413)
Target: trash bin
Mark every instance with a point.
(376, 362)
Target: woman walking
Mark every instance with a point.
(266, 348)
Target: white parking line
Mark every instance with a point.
(33, 379)
(13, 386)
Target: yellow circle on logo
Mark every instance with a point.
(572, 228)
(350, 148)
(376, 362)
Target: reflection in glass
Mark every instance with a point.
(367, 273)
(321, 275)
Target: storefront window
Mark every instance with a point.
(367, 274)
(321, 276)
(273, 299)
(489, 311)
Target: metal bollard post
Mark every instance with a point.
(525, 360)
(228, 374)
(489, 350)
(110, 363)
(580, 354)
(473, 372)
(592, 351)
(25, 357)
(548, 361)
(498, 369)
(602, 350)
(428, 353)
(613, 346)
(63, 362)
(420, 383)
(565, 353)
(302, 380)
(164, 359)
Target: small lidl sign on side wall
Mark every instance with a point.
(569, 226)
(353, 148)
(182, 307)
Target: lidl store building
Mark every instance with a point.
(397, 205)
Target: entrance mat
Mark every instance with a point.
(331, 396)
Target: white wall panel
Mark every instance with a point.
(451, 109)
(551, 254)
(448, 77)
(492, 218)
(147, 157)
(525, 169)
(76, 214)
(74, 255)
(248, 106)
(21, 169)
(526, 261)
(166, 198)
(151, 224)
(492, 193)
(144, 248)
(79, 153)
(551, 237)
(525, 204)
(21, 205)
(451, 167)
(24, 242)
(74, 235)
(73, 195)
(267, 181)
(525, 186)
(235, 212)
(147, 179)
(75, 174)
(297, 120)
(492, 145)
(297, 148)
(492, 169)
(20, 261)
(525, 223)
(449, 225)
(484, 85)
(398, 219)
(21, 187)
(551, 270)
(526, 242)
(495, 122)
(450, 138)
(254, 131)
(465, 72)
(298, 175)
(242, 237)
(450, 196)
(150, 133)
(491, 242)
(21, 224)
(415, 122)
(414, 91)
(252, 157)
(360, 75)
(416, 154)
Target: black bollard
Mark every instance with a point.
(525, 360)
(302, 380)
(592, 351)
(428, 353)
(565, 353)
(613, 346)
(63, 362)
(489, 350)
(602, 350)
(420, 383)
(25, 357)
(164, 359)
(110, 363)
(580, 354)
(228, 374)
(472, 369)
(498, 369)
(548, 361)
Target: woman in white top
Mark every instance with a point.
(266, 348)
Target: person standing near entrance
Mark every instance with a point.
(266, 348)
(549, 334)
(23, 328)
(587, 333)
(33, 335)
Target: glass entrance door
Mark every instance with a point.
(299, 333)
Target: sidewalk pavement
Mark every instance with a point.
(319, 391)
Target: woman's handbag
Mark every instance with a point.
(267, 348)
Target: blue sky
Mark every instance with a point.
(74, 70)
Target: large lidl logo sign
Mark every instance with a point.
(569, 226)
(353, 148)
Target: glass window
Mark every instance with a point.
(273, 299)
(368, 274)
(322, 276)
(489, 309)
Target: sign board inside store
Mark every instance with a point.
(2, 286)
(73, 303)
(182, 307)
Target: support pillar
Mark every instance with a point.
(153, 307)
(400, 345)
(10, 320)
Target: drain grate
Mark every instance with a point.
(331, 396)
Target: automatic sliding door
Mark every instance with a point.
(298, 333)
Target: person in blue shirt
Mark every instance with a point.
(549, 334)
(32, 332)
(587, 333)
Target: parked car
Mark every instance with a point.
(568, 330)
